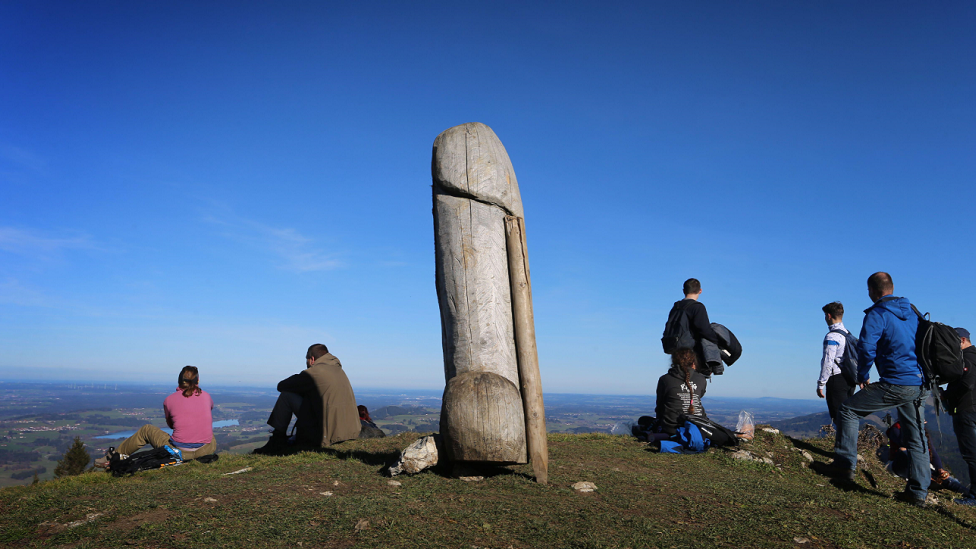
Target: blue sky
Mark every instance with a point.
(224, 183)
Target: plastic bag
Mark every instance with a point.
(745, 428)
(623, 428)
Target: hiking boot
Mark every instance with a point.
(275, 446)
(911, 500)
(842, 471)
(102, 462)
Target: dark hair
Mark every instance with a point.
(364, 413)
(835, 309)
(881, 283)
(691, 286)
(190, 381)
(684, 358)
(316, 351)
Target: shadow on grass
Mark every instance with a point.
(810, 447)
(837, 479)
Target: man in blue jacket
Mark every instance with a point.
(888, 341)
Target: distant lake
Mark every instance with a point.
(127, 434)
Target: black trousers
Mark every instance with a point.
(838, 390)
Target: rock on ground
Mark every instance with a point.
(418, 456)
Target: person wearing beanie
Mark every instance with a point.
(959, 401)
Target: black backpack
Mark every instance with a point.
(717, 434)
(937, 349)
(677, 333)
(848, 365)
(156, 458)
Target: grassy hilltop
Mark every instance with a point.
(339, 498)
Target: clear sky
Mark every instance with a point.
(224, 183)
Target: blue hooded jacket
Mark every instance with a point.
(888, 340)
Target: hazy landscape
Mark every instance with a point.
(38, 421)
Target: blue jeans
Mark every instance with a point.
(910, 403)
(964, 425)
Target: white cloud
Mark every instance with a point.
(298, 252)
(30, 243)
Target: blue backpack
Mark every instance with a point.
(686, 440)
(848, 365)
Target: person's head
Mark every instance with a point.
(189, 381)
(833, 312)
(684, 358)
(691, 288)
(880, 285)
(964, 340)
(315, 352)
(364, 413)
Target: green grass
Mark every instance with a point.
(643, 499)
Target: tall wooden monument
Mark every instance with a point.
(492, 408)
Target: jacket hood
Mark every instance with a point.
(898, 306)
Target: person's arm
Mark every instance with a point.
(701, 325)
(169, 416)
(299, 383)
(831, 347)
(871, 331)
(667, 416)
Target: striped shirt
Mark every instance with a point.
(833, 353)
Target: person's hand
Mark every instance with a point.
(865, 384)
(820, 392)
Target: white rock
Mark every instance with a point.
(418, 456)
(209, 500)
(807, 456)
(326, 494)
(770, 430)
(394, 483)
(743, 455)
(584, 486)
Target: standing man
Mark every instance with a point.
(832, 385)
(698, 327)
(888, 341)
(321, 399)
(961, 405)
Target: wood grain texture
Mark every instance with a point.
(469, 160)
(526, 352)
(474, 188)
(481, 419)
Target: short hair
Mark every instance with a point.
(835, 309)
(881, 283)
(317, 351)
(691, 286)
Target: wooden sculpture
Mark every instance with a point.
(492, 408)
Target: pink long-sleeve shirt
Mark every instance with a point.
(190, 417)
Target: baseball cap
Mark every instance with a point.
(963, 333)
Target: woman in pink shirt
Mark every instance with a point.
(188, 413)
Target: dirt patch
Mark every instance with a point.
(129, 524)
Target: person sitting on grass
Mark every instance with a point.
(679, 393)
(900, 466)
(322, 401)
(188, 412)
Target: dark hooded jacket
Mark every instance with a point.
(959, 393)
(328, 414)
(888, 341)
(673, 398)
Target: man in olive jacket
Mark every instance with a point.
(321, 399)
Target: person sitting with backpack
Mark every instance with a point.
(188, 412)
(679, 394)
(833, 383)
